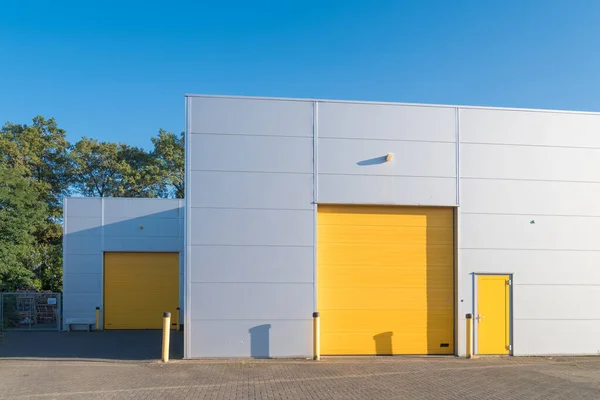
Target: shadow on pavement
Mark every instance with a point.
(106, 345)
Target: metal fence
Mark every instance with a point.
(30, 311)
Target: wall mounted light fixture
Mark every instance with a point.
(389, 157)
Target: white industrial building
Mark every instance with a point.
(392, 221)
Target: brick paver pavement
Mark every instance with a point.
(337, 378)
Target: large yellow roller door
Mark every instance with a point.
(138, 288)
(386, 280)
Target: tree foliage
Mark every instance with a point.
(22, 212)
(39, 151)
(40, 154)
(38, 166)
(169, 151)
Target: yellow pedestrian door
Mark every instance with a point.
(493, 317)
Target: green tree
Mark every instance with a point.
(39, 151)
(104, 169)
(143, 176)
(169, 151)
(40, 154)
(23, 212)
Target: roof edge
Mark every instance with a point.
(391, 103)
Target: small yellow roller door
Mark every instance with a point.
(386, 280)
(138, 288)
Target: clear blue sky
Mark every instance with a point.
(118, 70)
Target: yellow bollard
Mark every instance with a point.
(316, 336)
(97, 319)
(469, 318)
(178, 319)
(166, 336)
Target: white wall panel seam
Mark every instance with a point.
(205, 282)
(526, 249)
(556, 319)
(248, 135)
(527, 180)
(248, 245)
(315, 197)
(457, 158)
(64, 249)
(533, 145)
(254, 208)
(532, 214)
(101, 305)
(389, 140)
(187, 233)
(251, 319)
(558, 284)
(234, 171)
(399, 175)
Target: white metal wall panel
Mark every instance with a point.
(83, 283)
(530, 163)
(250, 195)
(78, 304)
(537, 267)
(497, 231)
(522, 166)
(247, 117)
(142, 227)
(80, 244)
(556, 302)
(261, 190)
(83, 263)
(530, 197)
(128, 209)
(367, 157)
(245, 227)
(83, 207)
(93, 226)
(266, 264)
(272, 301)
(84, 226)
(249, 166)
(401, 190)
(212, 336)
(251, 154)
(143, 243)
(354, 139)
(391, 122)
(556, 337)
(537, 128)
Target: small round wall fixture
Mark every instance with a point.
(532, 222)
(141, 227)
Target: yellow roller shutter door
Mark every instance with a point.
(138, 288)
(386, 280)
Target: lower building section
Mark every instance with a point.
(385, 280)
(139, 288)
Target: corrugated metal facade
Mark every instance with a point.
(525, 185)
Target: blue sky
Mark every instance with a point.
(118, 71)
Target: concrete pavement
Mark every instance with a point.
(334, 378)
